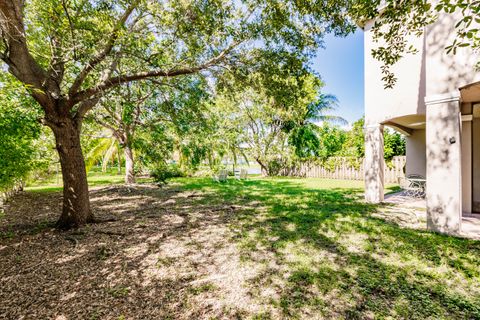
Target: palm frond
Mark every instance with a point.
(96, 153)
(316, 111)
(331, 119)
(104, 151)
(109, 154)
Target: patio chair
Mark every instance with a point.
(413, 185)
(221, 176)
(243, 174)
(240, 174)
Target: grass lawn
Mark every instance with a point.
(325, 255)
(95, 178)
(276, 248)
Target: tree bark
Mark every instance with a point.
(129, 164)
(264, 168)
(76, 205)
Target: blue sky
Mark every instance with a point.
(340, 65)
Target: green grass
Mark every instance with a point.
(325, 254)
(319, 247)
(95, 178)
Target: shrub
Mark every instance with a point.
(163, 172)
(18, 131)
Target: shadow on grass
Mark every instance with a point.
(142, 265)
(325, 255)
(93, 181)
(313, 247)
(393, 189)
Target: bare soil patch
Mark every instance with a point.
(155, 254)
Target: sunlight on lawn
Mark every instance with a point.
(323, 254)
(95, 178)
(275, 248)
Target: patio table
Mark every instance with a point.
(418, 183)
(413, 185)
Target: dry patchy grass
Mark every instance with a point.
(256, 249)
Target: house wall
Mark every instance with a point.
(446, 73)
(428, 84)
(428, 73)
(374, 164)
(415, 152)
(407, 97)
(444, 164)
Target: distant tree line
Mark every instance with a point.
(340, 142)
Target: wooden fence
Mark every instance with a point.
(344, 169)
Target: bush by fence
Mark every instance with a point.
(345, 168)
(7, 192)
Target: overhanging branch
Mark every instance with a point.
(122, 79)
(104, 53)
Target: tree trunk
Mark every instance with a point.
(76, 204)
(264, 168)
(129, 167)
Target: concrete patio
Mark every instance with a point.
(411, 212)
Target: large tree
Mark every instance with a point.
(260, 125)
(121, 115)
(69, 53)
(142, 105)
(274, 126)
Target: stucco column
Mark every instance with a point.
(444, 163)
(374, 163)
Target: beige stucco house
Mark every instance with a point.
(436, 104)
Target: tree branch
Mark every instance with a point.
(57, 64)
(115, 132)
(105, 52)
(84, 107)
(119, 80)
(17, 56)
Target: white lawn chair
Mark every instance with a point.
(243, 174)
(221, 176)
(240, 174)
(237, 173)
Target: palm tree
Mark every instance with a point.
(106, 150)
(317, 111)
(304, 134)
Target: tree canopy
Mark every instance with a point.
(68, 55)
(18, 131)
(198, 78)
